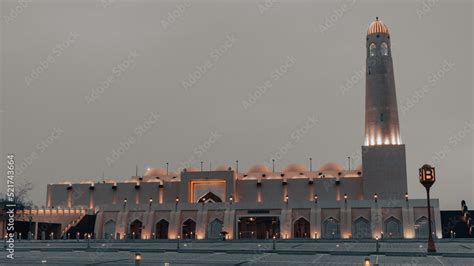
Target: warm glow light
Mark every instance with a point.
(138, 257)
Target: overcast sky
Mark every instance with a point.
(92, 87)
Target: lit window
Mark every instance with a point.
(372, 47)
(384, 49)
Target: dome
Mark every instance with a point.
(377, 27)
(295, 167)
(259, 168)
(155, 172)
(222, 168)
(192, 169)
(332, 167)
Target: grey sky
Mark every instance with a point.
(92, 75)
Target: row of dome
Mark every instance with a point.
(300, 168)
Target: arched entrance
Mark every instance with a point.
(331, 228)
(136, 229)
(361, 228)
(421, 227)
(214, 229)
(161, 229)
(392, 228)
(189, 229)
(301, 228)
(109, 229)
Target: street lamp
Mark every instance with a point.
(427, 178)
(138, 258)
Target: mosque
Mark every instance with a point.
(329, 202)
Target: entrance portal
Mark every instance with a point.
(136, 229)
(189, 229)
(301, 228)
(259, 227)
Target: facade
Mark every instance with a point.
(330, 202)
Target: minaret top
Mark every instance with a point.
(377, 27)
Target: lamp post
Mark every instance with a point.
(427, 178)
(138, 258)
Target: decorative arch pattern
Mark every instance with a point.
(393, 228)
(301, 228)
(331, 228)
(361, 228)
(109, 229)
(422, 228)
(214, 229)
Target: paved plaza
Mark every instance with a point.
(286, 252)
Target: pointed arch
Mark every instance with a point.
(188, 229)
(161, 229)
(422, 228)
(393, 228)
(384, 49)
(331, 228)
(301, 228)
(135, 229)
(372, 49)
(209, 197)
(214, 229)
(109, 229)
(361, 228)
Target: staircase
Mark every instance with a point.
(83, 225)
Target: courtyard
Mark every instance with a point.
(285, 252)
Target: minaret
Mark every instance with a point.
(383, 154)
(381, 112)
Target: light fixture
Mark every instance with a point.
(138, 258)
(375, 197)
(367, 262)
(315, 198)
(427, 179)
(177, 200)
(345, 197)
(406, 196)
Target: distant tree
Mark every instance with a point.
(21, 198)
